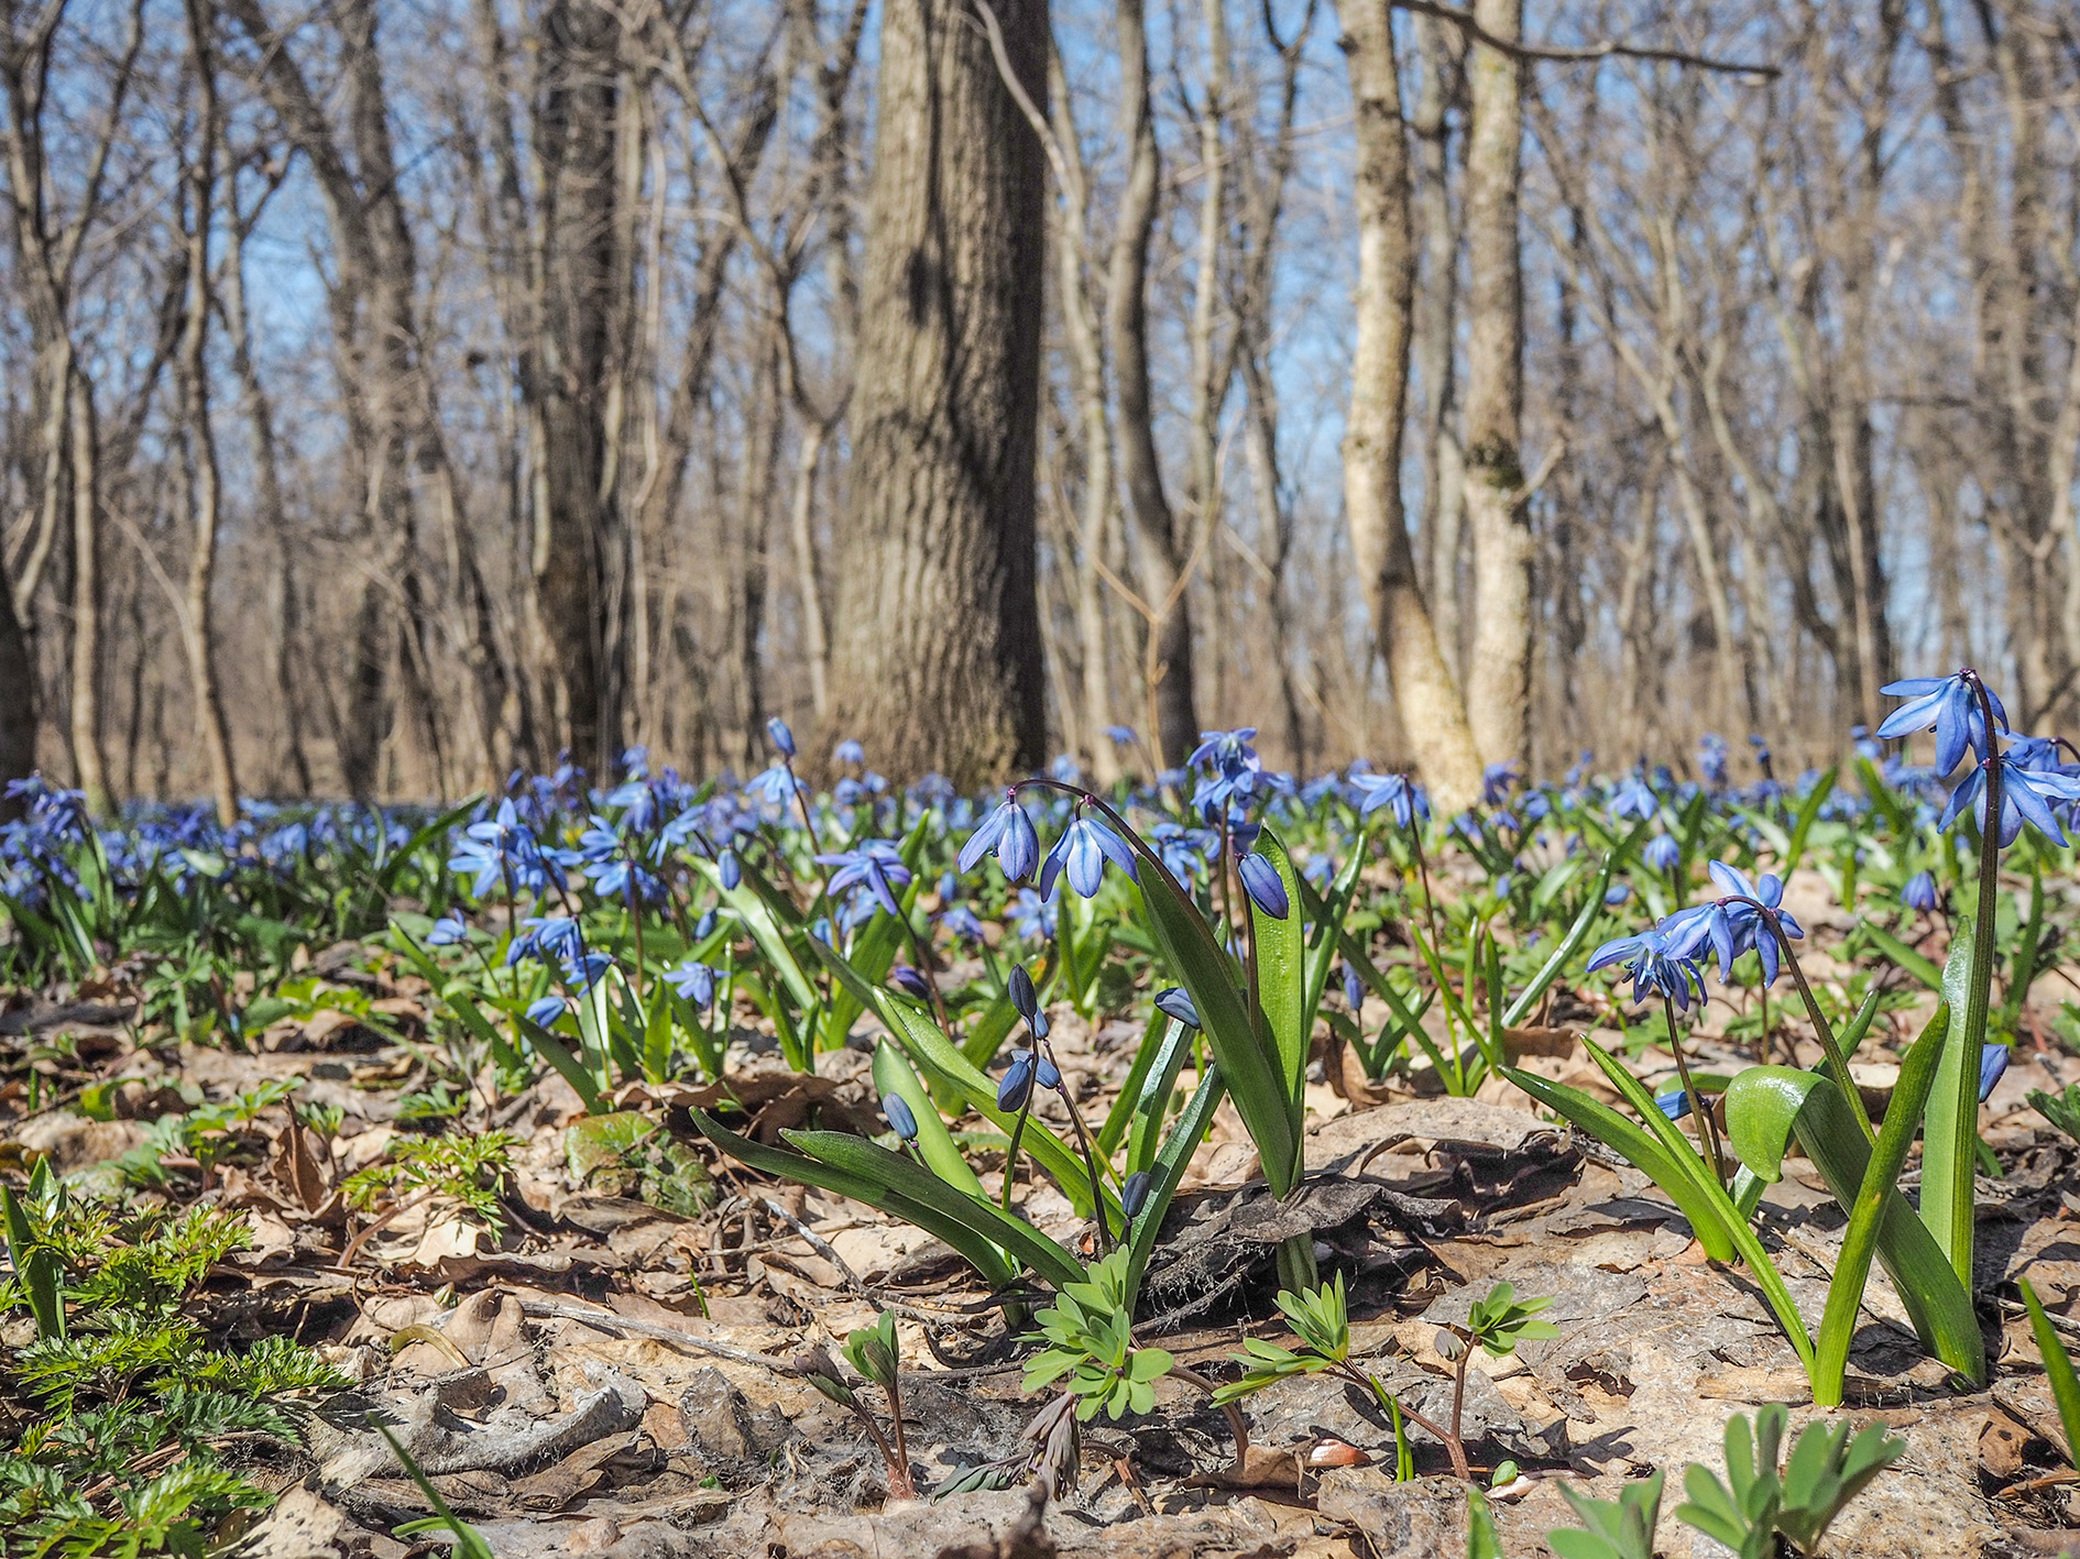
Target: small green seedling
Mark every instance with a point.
(1829, 1466)
(1621, 1528)
(1089, 1338)
(872, 1351)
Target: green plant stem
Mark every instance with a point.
(1707, 1127)
(1238, 1426)
(1090, 1161)
(1837, 1059)
(1454, 1448)
(1954, 1232)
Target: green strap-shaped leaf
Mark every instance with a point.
(977, 1249)
(1248, 1063)
(752, 900)
(1151, 1099)
(912, 1183)
(942, 1155)
(1165, 1172)
(1766, 1106)
(1527, 999)
(1325, 916)
(2058, 1369)
(1282, 974)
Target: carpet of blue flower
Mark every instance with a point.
(1049, 1028)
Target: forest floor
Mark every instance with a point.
(608, 1364)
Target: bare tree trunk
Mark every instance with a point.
(1159, 558)
(1498, 680)
(201, 488)
(17, 695)
(936, 607)
(1431, 710)
(1435, 350)
(90, 770)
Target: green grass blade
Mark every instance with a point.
(2058, 1369)
(1282, 973)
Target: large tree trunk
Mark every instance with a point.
(937, 656)
(1159, 562)
(1431, 710)
(1498, 679)
(578, 544)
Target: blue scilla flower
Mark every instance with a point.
(908, 979)
(548, 938)
(849, 752)
(874, 865)
(1394, 792)
(1663, 852)
(2027, 795)
(1993, 1061)
(1008, 834)
(447, 931)
(1948, 706)
(694, 981)
(896, 1110)
(1183, 851)
(1261, 881)
(963, 924)
(1919, 893)
(1016, 1088)
(1177, 1003)
(1746, 922)
(1632, 800)
(1082, 850)
(1133, 1195)
(582, 971)
(1033, 917)
(781, 737)
(1711, 759)
(498, 850)
(1653, 966)
(774, 786)
(547, 1010)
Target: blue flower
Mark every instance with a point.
(963, 924)
(850, 752)
(1675, 1104)
(1395, 791)
(1747, 922)
(695, 982)
(782, 737)
(1017, 1086)
(545, 1012)
(1993, 1060)
(1177, 1003)
(1084, 848)
(1663, 852)
(1353, 989)
(1654, 966)
(1261, 881)
(1949, 706)
(447, 931)
(775, 786)
(1026, 1001)
(899, 1116)
(1133, 1196)
(1919, 893)
(1033, 917)
(1008, 834)
(2026, 796)
(875, 865)
(907, 979)
(1632, 799)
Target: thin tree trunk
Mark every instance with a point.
(1499, 673)
(1159, 562)
(89, 769)
(1431, 711)
(17, 696)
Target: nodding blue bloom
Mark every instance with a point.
(1177, 1003)
(1133, 1196)
(1711, 758)
(1675, 1104)
(1046, 1073)
(1654, 966)
(545, 1012)
(1949, 706)
(1746, 921)
(498, 850)
(1919, 893)
(907, 979)
(875, 865)
(1632, 799)
(1025, 1000)
(1084, 848)
(2027, 795)
(1663, 852)
(898, 1115)
(1266, 889)
(695, 982)
(447, 931)
(547, 937)
(1353, 989)
(730, 870)
(962, 923)
(1016, 1090)
(705, 926)
(1231, 764)
(585, 970)
(1497, 780)
(1182, 850)
(1033, 917)
(1396, 792)
(1008, 834)
(849, 751)
(1121, 735)
(1617, 893)
(1993, 1060)
(782, 737)
(774, 786)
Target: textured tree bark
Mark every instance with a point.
(578, 544)
(1498, 676)
(936, 633)
(90, 768)
(1159, 555)
(1432, 712)
(202, 485)
(17, 694)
